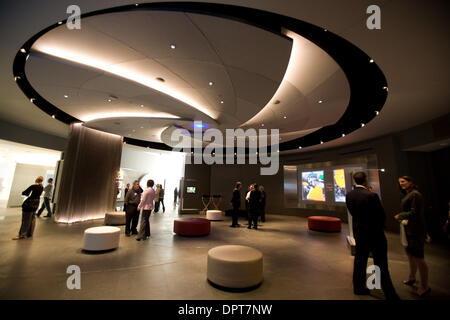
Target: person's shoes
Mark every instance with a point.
(409, 282)
(233, 226)
(249, 227)
(127, 234)
(362, 292)
(138, 239)
(256, 228)
(423, 293)
(238, 225)
(134, 233)
(47, 216)
(17, 238)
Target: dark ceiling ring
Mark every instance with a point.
(368, 86)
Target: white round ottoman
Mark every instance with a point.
(115, 218)
(101, 238)
(214, 215)
(235, 267)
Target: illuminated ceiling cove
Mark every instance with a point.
(141, 71)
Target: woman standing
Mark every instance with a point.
(413, 212)
(29, 207)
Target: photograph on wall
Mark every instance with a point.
(313, 186)
(339, 185)
(192, 190)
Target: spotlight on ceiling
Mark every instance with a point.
(362, 125)
(32, 100)
(385, 88)
(23, 50)
(111, 98)
(172, 46)
(16, 78)
(377, 112)
(142, 105)
(300, 147)
(59, 22)
(284, 117)
(221, 101)
(321, 142)
(343, 135)
(66, 96)
(211, 83)
(200, 125)
(371, 60)
(53, 116)
(320, 101)
(262, 124)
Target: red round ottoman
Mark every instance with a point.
(322, 223)
(192, 227)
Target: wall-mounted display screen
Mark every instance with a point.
(339, 185)
(191, 190)
(313, 186)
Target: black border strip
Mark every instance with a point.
(368, 85)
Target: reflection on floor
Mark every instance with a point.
(298, 264)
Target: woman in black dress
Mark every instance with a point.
(29, 207)
(413, 211)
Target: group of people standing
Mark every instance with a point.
(255, 204)
(136, 199)
(368, 218)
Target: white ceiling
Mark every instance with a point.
(411, 49)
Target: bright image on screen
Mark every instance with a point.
(190, 189)
(313, 187)
(339, 185)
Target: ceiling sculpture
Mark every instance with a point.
(141, 71)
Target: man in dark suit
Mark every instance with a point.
(236, 203)
(254, 207)
(368, 227)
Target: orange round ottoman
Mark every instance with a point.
(192, 227)
(323, 223)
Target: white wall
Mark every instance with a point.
(24, 176)
(161, 166)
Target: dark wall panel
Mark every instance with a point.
(88, 181)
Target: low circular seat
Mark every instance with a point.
(115, 218)
(235, 267)
(192, 227)
(214, 215)
(101, 238)
(323, 223)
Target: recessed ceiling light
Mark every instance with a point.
(325, 30)
(262, 124)
(142, 105)
(321, 142)
(320, 101)
(109, 100)
(284, 117)
(66, 96)
(27, 57)
(160, 79)
(278, 150)
(136, 4)
(142, 127)
(32, 100)
(300, 147)
(385, 88)
(371, 60)
(221, 101)
(59, 22)
(343, 134)
(382, 170)
(377, 112)
(16, 78)
(211, 83)
(53, 116)
(172, 46)
(23, 50)
(362, 124)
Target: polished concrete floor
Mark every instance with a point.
(298, 264)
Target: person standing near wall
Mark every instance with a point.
(48, 194)
(161, 197)
(175, 195)
(262, 204)
(236, 204)
(146, 205)
(158, 189)
(368, 218)
(254, 207)
(415, 230)
(132, 200)
(124, 196)
(29, 207)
